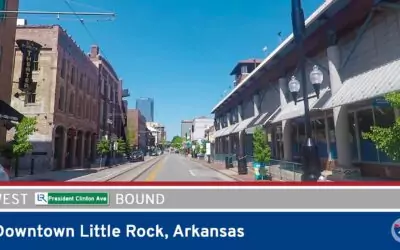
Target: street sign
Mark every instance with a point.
(380, 102)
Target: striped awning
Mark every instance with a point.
(292, 110)
(243, 125)
(369, 85)
(228, 130)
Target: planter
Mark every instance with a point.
(260, 171)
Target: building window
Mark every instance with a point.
(72, 75)
(63, 65)
(244, 69)
(61, 99)
(367, 147)
(30, 96)
(71, 103)
(81, 81)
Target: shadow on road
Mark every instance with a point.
(63, 175)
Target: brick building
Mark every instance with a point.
(137, 129)
(63, 98)
(112, 117)
(7, 34)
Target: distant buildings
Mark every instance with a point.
(158, 131)
(146, 107)
(136, 129)
(199, 126)
(186, 128)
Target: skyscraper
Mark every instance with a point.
(146, 107)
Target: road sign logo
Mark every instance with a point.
(41, 198)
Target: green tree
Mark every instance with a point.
(20, 145)
(131, 138)
(103, 148)
(387, 139)
(121, 146)
(177, 142)
(262, 151)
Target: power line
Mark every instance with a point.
(84, 25)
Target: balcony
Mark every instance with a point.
(125, 93)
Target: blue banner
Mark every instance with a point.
(204, 231)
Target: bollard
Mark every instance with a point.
(242, 166)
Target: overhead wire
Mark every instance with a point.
(67, 2)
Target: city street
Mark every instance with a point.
(175, 167)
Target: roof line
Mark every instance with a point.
(321, 9)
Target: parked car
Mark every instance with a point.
(3, 174)
(137, 156)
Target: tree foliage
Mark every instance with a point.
(177, 142)
(131, 137)
(121, 146)
(21, 145)
(103, 146)
(387, 139)
(262, 151)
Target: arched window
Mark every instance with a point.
(71, 103)
(61, 99)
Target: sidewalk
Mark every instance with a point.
(232, 173)
(61, 175)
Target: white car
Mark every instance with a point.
(3, 174)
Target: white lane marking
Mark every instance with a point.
(192, 173)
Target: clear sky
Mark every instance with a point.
(179, 52)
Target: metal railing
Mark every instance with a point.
(277, 169)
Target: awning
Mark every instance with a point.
(243, 125)
(9, 113)
(219, 132)
(228, 130)
(292, 110)
(371, 84)
(262, 121)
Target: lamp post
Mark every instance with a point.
(311, 161)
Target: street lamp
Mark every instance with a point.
(311, 161)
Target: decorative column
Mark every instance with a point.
(228, 137)
(82, 153)
(242, 134)
(286, 124)
(340, 114)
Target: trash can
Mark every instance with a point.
(226, 162)
(242, 166)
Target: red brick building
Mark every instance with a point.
(136, 127)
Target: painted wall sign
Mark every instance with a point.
(30, 50)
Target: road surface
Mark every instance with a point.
(174, 167)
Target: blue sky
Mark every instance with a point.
(180, 52)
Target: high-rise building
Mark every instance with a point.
(146, 107)
(186, 128)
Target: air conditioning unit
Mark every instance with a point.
(22, 22)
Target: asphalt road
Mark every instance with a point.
(175, 167)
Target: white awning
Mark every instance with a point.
(262, 121)
(243, 125)
(219, 132)
(228, 130)
(292, 110)
(371, 84)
